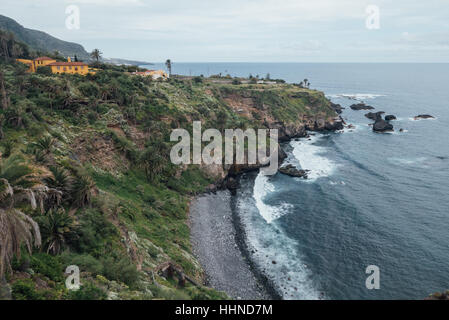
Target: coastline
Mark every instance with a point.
(220, 249)
(218, 239)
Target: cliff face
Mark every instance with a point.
(102, 142)
(290, 109)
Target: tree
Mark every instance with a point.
(45, 144)
(153, 159)
(168, 65)
(16, 228)
(84, 188)
(5, 98)
(96, 54)
(56, 229)
(59, 180)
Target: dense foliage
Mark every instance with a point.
(86, 159)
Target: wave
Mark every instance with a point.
(356, 96)
(263, 187)
(274, 253)
(407, 161)
(310, 157)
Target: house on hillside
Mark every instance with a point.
(36, 63)
(58, 67)
(154, 74)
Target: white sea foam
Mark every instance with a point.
(262, 187)
(356, 96)
(310, 157)
(407, 161)
(355, 128)
(268, 242)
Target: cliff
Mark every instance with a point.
(99, 145)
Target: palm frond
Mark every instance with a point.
(16, 228)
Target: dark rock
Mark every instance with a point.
(374, 115)
(361, 106)
(232, 185)
(337, 124)
(382, 126)
(423, 116)
(337, 107)
(390, 117)
(292, 171)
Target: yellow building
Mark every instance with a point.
(57, 67)
(71, 67)
(36, 63)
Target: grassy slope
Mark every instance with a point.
(104, 123)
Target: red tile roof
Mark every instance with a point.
(68, 64)
(43, 58)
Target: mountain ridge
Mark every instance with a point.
(44, 42)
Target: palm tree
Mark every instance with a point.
(45, 144)
(96, 54)
(59, 180)
(84, 188)
(56, 228)
(153, 159)
(16, 228)
(21, 185)
(5, 99)
(168, 65)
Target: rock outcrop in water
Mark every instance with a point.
(337, 107)
(292, 171)
(374, 115)
(361, 106)
(382, 126)
(424, 116)
(390, 117)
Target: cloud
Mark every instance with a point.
(107, 2)
(247, 30)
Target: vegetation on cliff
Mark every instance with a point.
(86, 180)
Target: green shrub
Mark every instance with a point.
(47, 265)
(25, 289)
(95, 231)
(87, 291)
(122, 270)
(45, 70)
(85, 262)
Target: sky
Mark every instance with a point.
(248, 30)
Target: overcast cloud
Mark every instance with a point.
(247, 30)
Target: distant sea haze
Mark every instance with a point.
(372, 199)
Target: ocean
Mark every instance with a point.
(371, 199)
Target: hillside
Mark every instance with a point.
(85, 161)
(41, 41)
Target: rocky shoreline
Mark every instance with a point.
(216, 244)
(217, 237)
